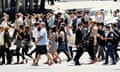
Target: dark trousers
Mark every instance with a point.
(79, 53)
(110, 52)
(65, 52)
(91, 50)
(101, 52)
(18, 53)
(8, 55)
(33, 51)
(71, 52)
(25, 52)
(2, 54)
(116, 54)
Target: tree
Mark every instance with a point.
(42, 5)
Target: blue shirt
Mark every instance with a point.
(42, 33)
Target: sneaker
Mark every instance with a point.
(113, 64)
(77, 64)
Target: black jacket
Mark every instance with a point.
(78, 37)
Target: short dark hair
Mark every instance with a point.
(36, 24)
(80, 24)
(114, 25)
(107, 27)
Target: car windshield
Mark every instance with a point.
(106, 12)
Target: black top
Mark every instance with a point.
(99, 40)
(20, 36)
(27, 36)
(7, 38)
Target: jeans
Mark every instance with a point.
(110, 52)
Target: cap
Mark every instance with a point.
(20, 14)
(43, 23)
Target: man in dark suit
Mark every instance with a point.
(78, 43)
(109, 39)
(116, 39)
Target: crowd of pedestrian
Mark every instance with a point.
(53, 33)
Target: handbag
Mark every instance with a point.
(62, 46)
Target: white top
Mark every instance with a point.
(86, 18)
(78, 21)
(100, 19)
(70, 37)
(18, 22)
(4, 24)
(35, 33)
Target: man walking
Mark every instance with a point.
(41, 43)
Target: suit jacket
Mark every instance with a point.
(78, 37)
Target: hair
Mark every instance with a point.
(62, 28)
(114, 25)
(6, 29)
(53, 29)
(108, 27)
(80, 24)
(36, 24)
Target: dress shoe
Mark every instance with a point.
(105, 63)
